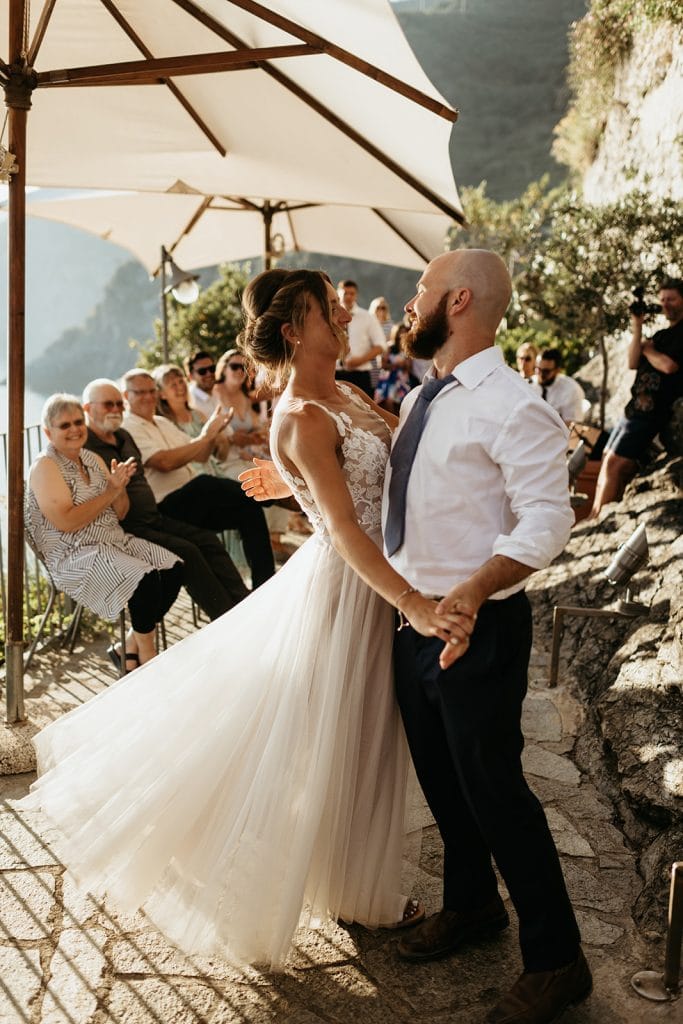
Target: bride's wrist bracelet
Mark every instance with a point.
(402, 620)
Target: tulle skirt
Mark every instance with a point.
(250, 779)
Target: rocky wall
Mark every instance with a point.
(641, 145)
(628, 672)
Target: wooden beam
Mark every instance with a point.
(146, 71)
(41, 29)
(345, 57)
(287, 83)
(173, 88)
(404, 238)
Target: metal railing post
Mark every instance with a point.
(666, 987)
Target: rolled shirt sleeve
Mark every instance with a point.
(531, 452)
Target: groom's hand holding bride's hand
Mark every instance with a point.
(424, 616)
(461, 603)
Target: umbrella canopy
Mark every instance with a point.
(204, 230)
(295, 99)
(322, 102)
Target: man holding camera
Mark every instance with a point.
(659, 382)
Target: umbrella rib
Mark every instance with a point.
(229, 37)
(145, 72)
(401, 235)
(350, 59)
(201, 209)
(173, 88)
(41, 29)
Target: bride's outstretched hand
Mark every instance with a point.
(263, 482)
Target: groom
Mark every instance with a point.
(476, 500)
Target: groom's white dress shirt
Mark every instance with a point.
(489, 478)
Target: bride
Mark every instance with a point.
(252, 778)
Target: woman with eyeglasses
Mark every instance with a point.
(73, 507)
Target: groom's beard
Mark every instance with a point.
(426, 336)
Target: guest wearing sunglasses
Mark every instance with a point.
(249, 437)
(73, 507)
(200, 368)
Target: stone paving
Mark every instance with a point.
(66, 959)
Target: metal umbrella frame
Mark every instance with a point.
(160, 152)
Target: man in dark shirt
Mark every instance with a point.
(659, 382)
(209, 574)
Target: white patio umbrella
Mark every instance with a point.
(200, 231)
(231, 97)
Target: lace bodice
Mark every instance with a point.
(365, 442)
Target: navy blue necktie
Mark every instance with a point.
(402, 457)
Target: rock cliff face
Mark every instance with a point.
(641, 146)
(627, 673)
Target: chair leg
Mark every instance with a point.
(48, 608)
(122, 629)
(72, 632)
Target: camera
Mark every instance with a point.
(640, 307)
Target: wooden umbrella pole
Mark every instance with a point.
(18, 99)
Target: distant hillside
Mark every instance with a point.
(502, 64)
(66, 275)
(100, 346)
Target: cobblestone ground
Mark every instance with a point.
(66, 959)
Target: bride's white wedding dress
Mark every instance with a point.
(252, 777)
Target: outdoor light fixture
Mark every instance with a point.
(631, 556)
(181, 284)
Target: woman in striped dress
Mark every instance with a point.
(73, 507)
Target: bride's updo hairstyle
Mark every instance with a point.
(273, 299)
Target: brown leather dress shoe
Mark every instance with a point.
(443, 932)
(541, 997)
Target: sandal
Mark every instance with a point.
(413, 913)
(115, 656)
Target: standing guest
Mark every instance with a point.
(658, 362)
(526, 356)
(563, 393)
(476, 500)
(203, 500)
(200, 368)
(74, 504)
(366, 340)
(209, 575)
(379, 308)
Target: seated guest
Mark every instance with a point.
(203, 500)
(563, 393)
(395, 379)
(73, 507)
(173, 402)
(209, 575)
(249, 435)
(200, 368)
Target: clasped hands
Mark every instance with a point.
(120, 473)
(452, 619)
